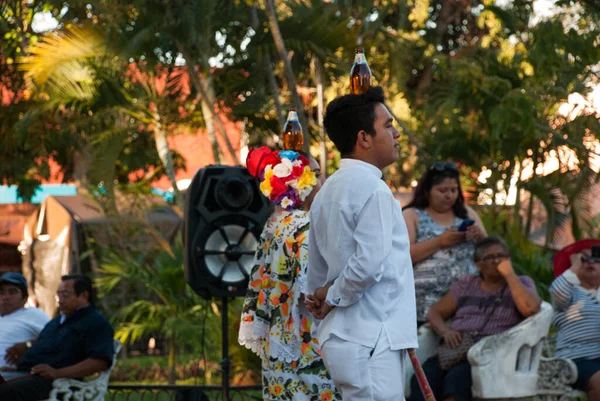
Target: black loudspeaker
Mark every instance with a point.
(224, 216)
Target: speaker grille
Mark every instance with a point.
(229, 252)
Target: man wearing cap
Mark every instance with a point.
(76, 344)
(19, 326)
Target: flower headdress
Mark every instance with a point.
(285, 176)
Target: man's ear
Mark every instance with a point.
(364, 140)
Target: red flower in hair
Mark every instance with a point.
(304, 160)
(257, 160)
(297, 171)
(278, 186)
(272, 159)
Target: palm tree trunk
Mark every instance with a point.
(255, 23)
(210, 130)
(164, 153)
(206, 90)
(81, 169)
(210, 92)
(287, 67)
(275, 92)
(320, 110)
(171, 361)
(517, 209)
(531, 200)
(493, 204)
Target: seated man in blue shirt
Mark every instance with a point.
(76, 344)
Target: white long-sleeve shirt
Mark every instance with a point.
(359, 242)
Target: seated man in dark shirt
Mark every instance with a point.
(76, 344)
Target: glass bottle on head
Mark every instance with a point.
(360, 74)
(293, 137)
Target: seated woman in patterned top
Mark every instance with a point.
(575, 299)
(488, 303)
(275, 323)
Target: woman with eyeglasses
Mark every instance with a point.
(443, 231)
(576, 302)
(478, 305)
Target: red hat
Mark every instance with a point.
(562, 259)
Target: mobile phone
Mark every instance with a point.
(466, 224)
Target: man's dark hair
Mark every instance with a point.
(347, 115)
(434, 177)
(482, 245)
(81, 283)
(22, 288)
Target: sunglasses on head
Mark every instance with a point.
(441, 166)
(590, 258)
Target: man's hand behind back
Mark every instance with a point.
(316, 303)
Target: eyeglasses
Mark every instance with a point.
(441, 166)
(64, 294)
(494, 256)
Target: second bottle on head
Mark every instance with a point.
(293, 137)
(360, 74)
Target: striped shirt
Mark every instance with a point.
(577, 318)
(475, 310)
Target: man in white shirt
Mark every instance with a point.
(19, 326)
(359, 266)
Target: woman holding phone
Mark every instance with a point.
(443, 231)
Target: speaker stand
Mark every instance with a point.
(225, 362)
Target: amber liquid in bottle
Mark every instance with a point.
(293, 138)
(360, 74)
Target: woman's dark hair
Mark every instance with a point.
(482, 245)
(347, 115)
(81, 283)
(433, 176)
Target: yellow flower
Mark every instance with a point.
(287, 220)
(307, 179)
(277, 389)
(281, 267)
(300, 238)
(265, 185)
(326, 395)
(266, 281)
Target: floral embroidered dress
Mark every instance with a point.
(275, 323)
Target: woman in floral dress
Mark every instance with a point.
(275, 324)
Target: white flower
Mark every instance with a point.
(286, 202)
(303, 193)
(283, 169)
(297, 162)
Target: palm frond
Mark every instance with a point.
(58, 62)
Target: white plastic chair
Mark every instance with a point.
(504, 365)
(77, 390)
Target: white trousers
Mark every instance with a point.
(363, 373)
